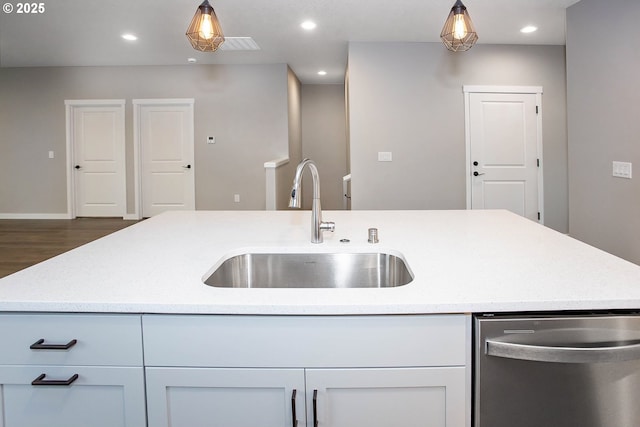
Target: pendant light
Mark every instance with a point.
(458, 33)
(204, 32)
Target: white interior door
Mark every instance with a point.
(97, 157)
(164, 132)
(504, 152)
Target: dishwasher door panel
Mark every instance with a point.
(557, 371)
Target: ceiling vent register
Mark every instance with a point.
(239, 43)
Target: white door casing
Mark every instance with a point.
(96, 180)
(164, 155)
(503, 130)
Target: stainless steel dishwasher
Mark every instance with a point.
(557, 371)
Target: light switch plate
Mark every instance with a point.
(211, 140)
(385, 156)
(622, 169)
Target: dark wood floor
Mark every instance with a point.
(27, 242)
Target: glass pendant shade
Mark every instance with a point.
(204, 32)
(458, 33)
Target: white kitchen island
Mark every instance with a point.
(156, 346)
(462, 262)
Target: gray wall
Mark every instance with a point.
(284, 174)
(604, 123)
(324, 139)
(407, 98)
(246, 107)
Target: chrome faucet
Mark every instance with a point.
(317, 225)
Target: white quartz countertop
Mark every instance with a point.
(462, 262)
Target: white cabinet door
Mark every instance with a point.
(199, 397)
(99, 397)
(407, 397)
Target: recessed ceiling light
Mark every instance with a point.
(192, 60)
(322, 73)
(308, 25)
(130, 37)
(529, 29)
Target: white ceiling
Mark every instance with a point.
(87, 32)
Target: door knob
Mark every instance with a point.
(187, 167)
(476, 173)
(475, 163)
(78, 167)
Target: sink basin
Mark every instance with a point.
(311, 270)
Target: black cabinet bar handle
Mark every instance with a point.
(315, 408)
(294, 419)
(40, 345)
(41, 381)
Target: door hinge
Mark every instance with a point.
(537, 111)
(538, 162)
(538, 216)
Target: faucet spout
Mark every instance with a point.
(317, 225)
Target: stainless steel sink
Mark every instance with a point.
(311, 270)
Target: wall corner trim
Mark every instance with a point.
(274, 164)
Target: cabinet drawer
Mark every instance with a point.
(305, 341)
(99, 339)
(102, 396)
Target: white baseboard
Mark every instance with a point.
(131, 217)
(34, 216)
